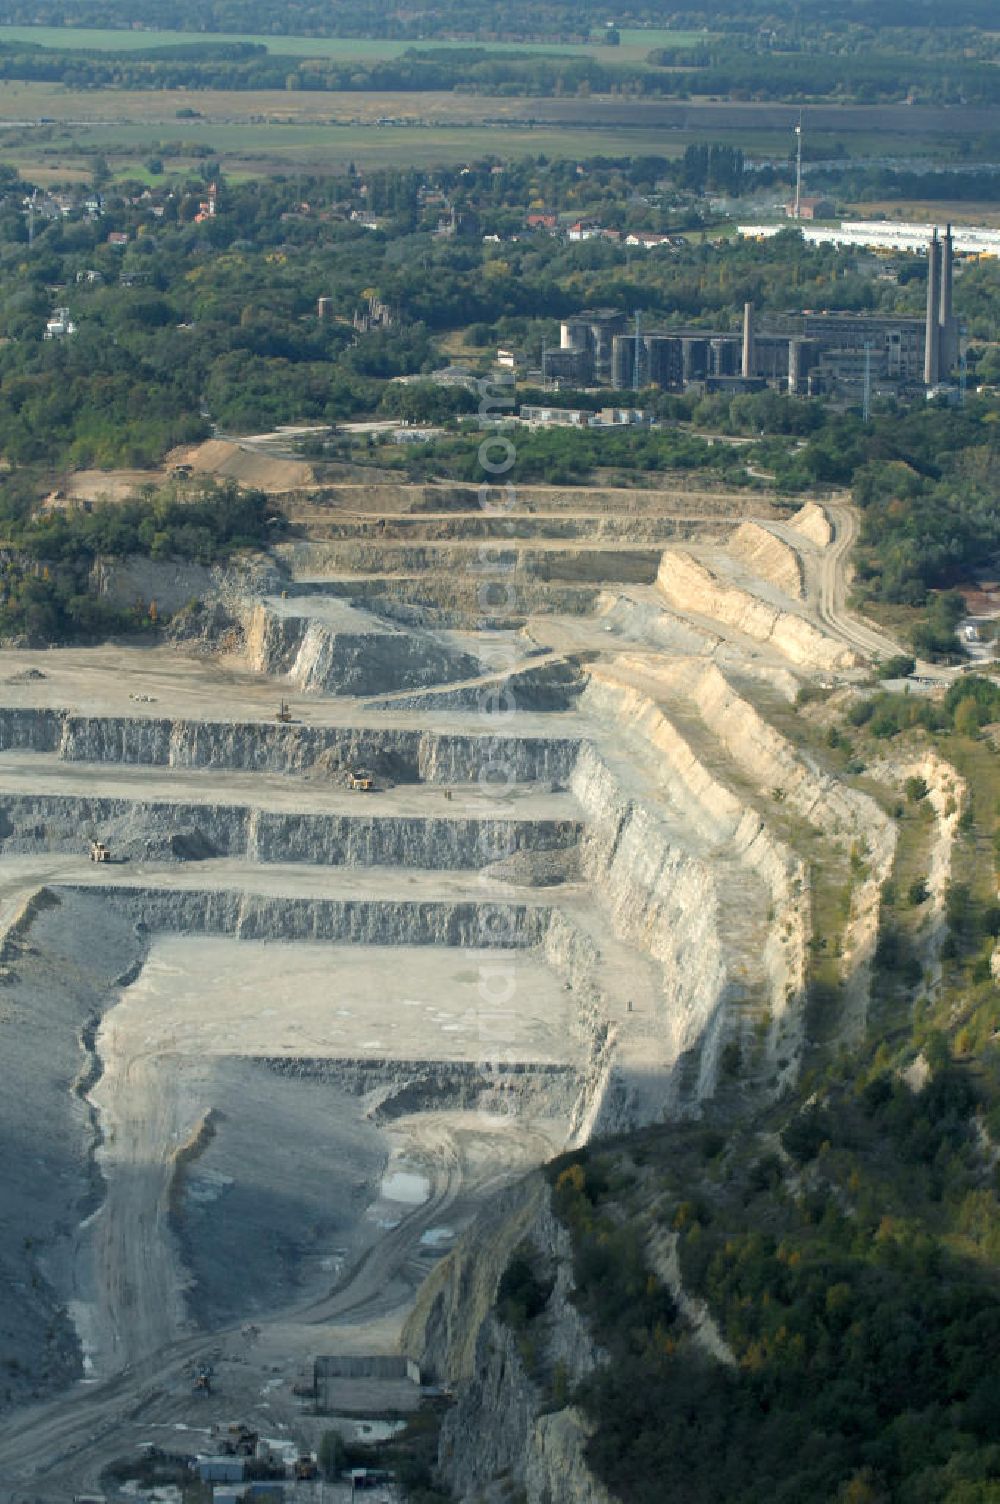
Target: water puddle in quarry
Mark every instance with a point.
(245, 1161)
(405, 1186)
(437, 1237)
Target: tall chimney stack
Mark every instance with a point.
(947, 333)
(932, 328)
(747, 339)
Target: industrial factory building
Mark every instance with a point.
(828, 353)
(586, 342)
(673, 360)
(805, 354)
(817, 354)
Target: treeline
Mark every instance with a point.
(706, 166)
(871, 184)
(209, 525)
(245, 67)
(541, 20)
(750, 15)
(511, 20)
(866, 78)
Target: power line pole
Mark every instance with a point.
(866, 406)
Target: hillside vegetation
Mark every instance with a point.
(47, 593)
(846, 1242)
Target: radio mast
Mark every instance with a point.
(798, 168)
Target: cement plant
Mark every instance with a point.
(499, 753)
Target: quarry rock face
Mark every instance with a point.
(138, 830)
(688, 584)
(339, 650)
(406, 755)
(769, 557)
(504, 1424)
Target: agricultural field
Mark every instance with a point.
(51, 133)
(264, 149)
(267, 146)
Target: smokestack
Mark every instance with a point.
(932, 328)
(747, 339)
(947, 342)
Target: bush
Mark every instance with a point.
(521, 1294)
(898, 667)
(806, 1133)
(967, 717)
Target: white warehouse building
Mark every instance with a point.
(881, 235)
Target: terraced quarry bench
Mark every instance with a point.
(571, 896)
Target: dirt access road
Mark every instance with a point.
(833, 588)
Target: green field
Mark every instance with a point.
(263, 149)
(635, 43)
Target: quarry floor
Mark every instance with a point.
(306, 1226)
(105, 681)
(47, 775)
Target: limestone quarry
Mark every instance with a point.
(441, 839)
